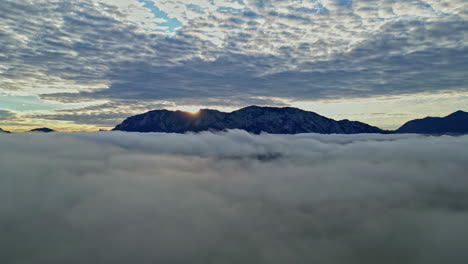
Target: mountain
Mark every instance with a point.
(4, 131)
(42, 129)
(254, 119)
(454, 123)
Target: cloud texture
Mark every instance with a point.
(233, 198)
(227, 52)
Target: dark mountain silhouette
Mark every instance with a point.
(254, 119)
(4, 131)
(456, 123)
(42, 129)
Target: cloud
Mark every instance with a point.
(241, 50)
(5, 114)
(232, 197)
(105, 114)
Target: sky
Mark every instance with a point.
(88, 64)
(233, 197)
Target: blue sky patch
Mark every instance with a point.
(197, 8)
(29, 103)
(171, 23)
(229, 9)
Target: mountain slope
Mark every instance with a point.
(4, 131)
(254, 119)
(42, 129)
(454, 123)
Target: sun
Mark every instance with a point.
(188, 108)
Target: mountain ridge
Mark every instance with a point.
(42, 130)
(456, 122)
(253, 119)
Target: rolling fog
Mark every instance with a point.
(113, 197)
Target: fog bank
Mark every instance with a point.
(114, 197)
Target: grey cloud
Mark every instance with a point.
(106, 114)
(78, 42)
(387, 63)
(99, 118)
(211, 198)
(6, 115)
(292, 54)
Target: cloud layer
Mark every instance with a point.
(233, 198)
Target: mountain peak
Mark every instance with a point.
(253, 119)
(456, 122)
(205, 110)
(458, 114)
(42, 129)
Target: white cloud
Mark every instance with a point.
(233, 198)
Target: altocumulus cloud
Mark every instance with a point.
(233, 198)
(228, 52)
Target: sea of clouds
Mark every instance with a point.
(114, 197)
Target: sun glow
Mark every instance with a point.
(195, 109)
(188, 108)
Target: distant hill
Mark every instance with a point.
(456, 123)
(42, 129)
(254, 119)
(4, 131)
